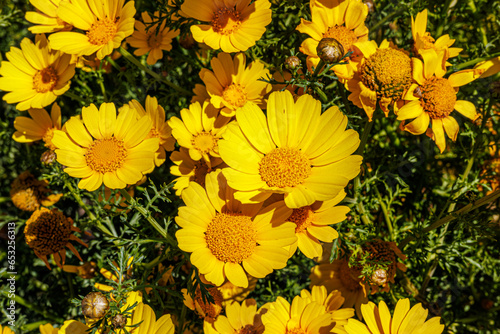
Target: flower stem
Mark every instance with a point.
(127, 55)
(472, 62)
(75, 97)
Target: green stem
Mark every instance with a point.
(469, 207)
(33, 326)
(318, 69)
(34, 308)
(75, 97)
(472, 62)
(127, 55)
(387, 18)
(386, 213)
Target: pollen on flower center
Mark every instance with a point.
(106, 155)
(231, 237)
(350, 276)
(345, 36)
(48, 231)
(428, 41)
(204, 142)
(302, 217)
(153, 133)
(284, 167)
(207, 309)
(235, 95)
(45, 80)
(295, 331)
(102, 31)
(438, 97)
(226, 20)
(387, 72)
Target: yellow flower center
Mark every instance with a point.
(48, 231)
(153, 133)
(102, 31)
(204, 142)
(235, 95)
(350, 277)
(345, 36)
(106, 155)
(302, 217)
(248, 329)
(206, 309)
(226, 20)
(47, 138)
(284, 167)
(231, 237)
(45, 80)
(438, 97)
(154, 40)
(387, 72)
(295, 331)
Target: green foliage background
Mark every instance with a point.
(405, 186)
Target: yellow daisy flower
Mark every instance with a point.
(40, 126)
(199, 130)
(312, 225)
(383, 75)
(104, 148)
(189, 170)
(342, 20)
(332, 301)
(145, 315)
(200, 94)
(304, 155)
(28, 193)
(404, 320)
(160, 128)
(205, 309)
(229, 239)
(45, 17)
(232, 85)
(232, 293)
(48, 232)
(151, 39)
(104, 24)
(35, 75)
(432, 98)
(6, 330)
(347, 280)
(302, 316)
(489, 67)
(424, 41)
(46, 329)
(233, 25)
(239, 318)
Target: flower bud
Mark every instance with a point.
(48, 157)
(379, 277)
(95, 305)
(119, 321)
(330, 50)
(292, 62)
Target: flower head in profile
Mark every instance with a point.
(48, 232)
(45, 17)
(201, 305)
(188, 170)
(199, 130)
(231, 25)
(153, 39)
(160, 128)
(40, 126)
(103, 148)
(432, 98)
(28, 193)
(383, 75)
(341, 20)
(404, 320)
(231, 84)
(104, 25)
(85, 271)
(44, 329)
(229, 239)
(239, 318)
(35, 75)
(295, 151)
(307, 314)
(424, 41)
(312, 225)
